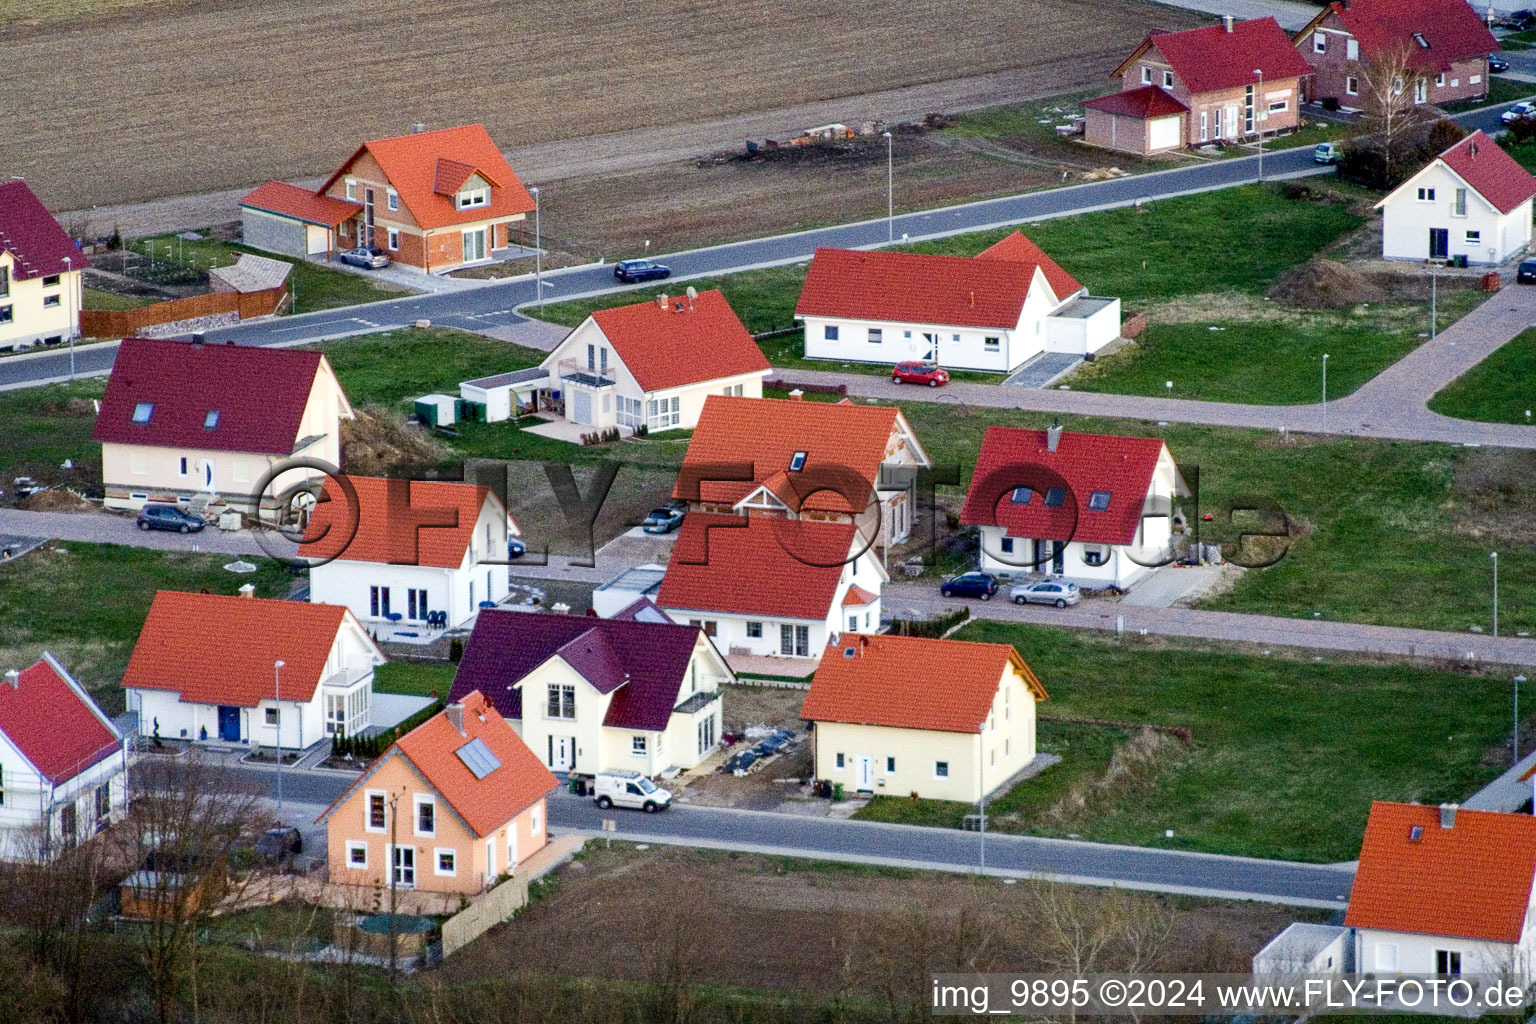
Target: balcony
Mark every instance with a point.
(578, 373)
(347, 677)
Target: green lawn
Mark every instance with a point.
(95, 298)
(763, 299)
(394, 366)
(1500, 88)
(87, 602)
(315, 286)
(1497, 390)
(1281, 765)
(416, 680)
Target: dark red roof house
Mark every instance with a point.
(40, 269)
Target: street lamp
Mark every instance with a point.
(1515, 734)
(1494, 555)
(1434, 298)
(538, 251)
(890, 190)
(1258, 119)
(69, 311)
(277, 682)
(1325, 393)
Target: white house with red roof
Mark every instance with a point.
(435, 201)
(410, 558)
(1095, 509)
(772, 586)
(942, 719)
(1237, 80)
(206, 669)
(994, 311)
(1445, 890)
(63, 764)
(203, 425)
(1473, 200)
(653, 363)
(40, 272)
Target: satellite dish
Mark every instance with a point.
(692, 293)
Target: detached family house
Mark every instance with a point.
(994, 311)
(1442, 44)
(938, 719)
(214, 668)
(590, 695)
(63, 764)
(775, 587)
(653, 364)
(1237, 80)
(40, 272)
(434, 201)
(450, 807)
(1445, 891)
(414, 556)
(789, 458)
(201, 425)
(1093, 508)
(1473, 200)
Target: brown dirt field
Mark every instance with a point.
(182, 98)
(823, 929)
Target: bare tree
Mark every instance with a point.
(187, 822)
(53, 888)
(1392, 117)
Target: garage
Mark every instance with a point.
(1163, 133)
(283, 218)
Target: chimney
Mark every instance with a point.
(661, 300)
(973, 298)
(1448, 815)
(13, 679)
(797, 395)
(417, 127)
(455, 713)
(1227, 20)
(248, 590)
(1053, 436)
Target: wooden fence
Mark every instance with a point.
(124, 323)
(484, 914)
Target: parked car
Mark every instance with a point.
(1498, 65)
(1057, 592)
(168, 517)
(1327, 153)
(970, 584)
(516, 548)
(931, 374)
(663, 520)
(640, 270)
(1519, 112)
(279, 844)
(629, 789)
(363, 256)
(1526, 274)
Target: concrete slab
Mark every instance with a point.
(390, 709)
(1044, 368)
(1161, 588)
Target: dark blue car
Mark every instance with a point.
(970, 584)
(168, 517)
(640, 270)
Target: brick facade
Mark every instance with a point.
(1221, 113)
(1340, 68)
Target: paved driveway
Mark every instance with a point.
(104, 528)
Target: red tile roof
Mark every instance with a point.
(55, 725)
(404, 522)
(911, 683)
(756, 565)
(857, 597)
(1211, 58)
(909, 287)
(683, 342)
(1082, 463)
(519, 782)
(1146, 102)
(844, 443)
(217, 649)
(1452, 29)
(287, 200)
(1471, 881)
(259, 393)
(1497, 176)
(1019, 249)
(451, 176)
(411, 164)
(30, 234)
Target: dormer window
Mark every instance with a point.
(211, 420)
(797, 462)
(472, 197)
(142, 412)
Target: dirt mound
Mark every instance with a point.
(55, 499)
(379, 440)
(1325, 284)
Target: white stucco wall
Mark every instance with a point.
(30, 799)
(31, 320)
(1407, 221)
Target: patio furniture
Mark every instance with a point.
(393, 617)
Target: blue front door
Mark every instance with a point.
(229, 724)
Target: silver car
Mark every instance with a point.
(365, 257)
(1057, 592)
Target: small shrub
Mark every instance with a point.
(455, 650)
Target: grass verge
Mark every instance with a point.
(1496, 390)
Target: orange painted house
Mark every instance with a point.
(450, 807)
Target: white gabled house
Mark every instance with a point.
(424, 555)
(994, 311)
(1473, 200)
(63, 764)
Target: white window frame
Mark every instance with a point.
(353, 846)
(352, 189)
(394, 239)
(829, 332)
(638, 745)
(992, 343)
(1319, 42)
(1426, 194)
(754, 629)
(1279, 106)
(437, 867)
(876, 335)
(1167, 79)
(1474, 238)
(418, 800)
(1459, 203)
(839, 762)
(1146, 75)
(392, 200)
(1440, 80)
(1351, 85)
(368, 795)
(1475, 80)
(535, 821)
(941, 769)
(1351, 48)
(474, 198)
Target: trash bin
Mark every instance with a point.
(837, 791)
(575, 786)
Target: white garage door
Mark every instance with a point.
(1165, 133)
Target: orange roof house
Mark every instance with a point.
(945, 719)
(652, 364)
(411, 556)
(433, 200)
(206, 668)
(460, 799)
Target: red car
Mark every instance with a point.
(931, 374)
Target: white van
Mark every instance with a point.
(629, 789)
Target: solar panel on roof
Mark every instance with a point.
(477, 757)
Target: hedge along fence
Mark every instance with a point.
(1180, 731)
(931, 629)
(778, 384)
(369, 747)
(124, 323)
